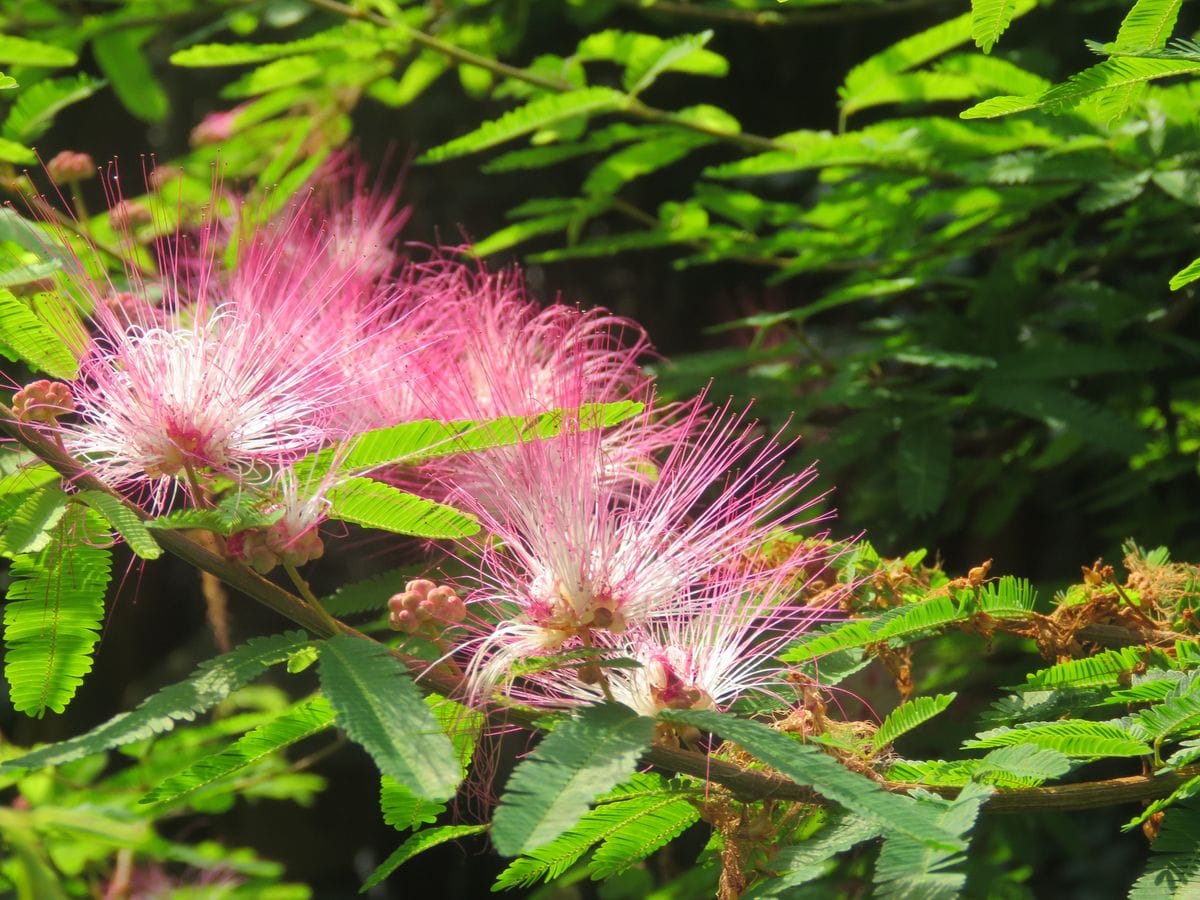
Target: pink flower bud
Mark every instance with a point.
(129, 214)
(420, 586)
(43, 401)
(71, 166)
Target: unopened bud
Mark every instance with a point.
(420, 586)
(214, 128)
(43, 401)
(250, 547)
(70, 166)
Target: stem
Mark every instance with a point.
(310, 598)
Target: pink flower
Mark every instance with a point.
(229, 373)
(581, 558)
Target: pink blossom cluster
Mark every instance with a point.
(654, 563)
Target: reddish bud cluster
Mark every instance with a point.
(69, 166)
(423, 601)
(43, 401)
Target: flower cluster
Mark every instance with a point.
(639, 563)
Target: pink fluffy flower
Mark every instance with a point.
(228, 372)
(581, 558)
(723, 646)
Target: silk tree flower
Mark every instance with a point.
(223, 374)
(579, 558)
(721, 646)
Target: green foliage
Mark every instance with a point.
(36, 106)
(124, 64)
(53, 614)
(302, 721)
(378, 505)
(25, 52)
(989, 20)
(628, 824)
(1174, 870)
(379, 707)
(418, 843)
(552, 787)
(910, 868)
(124, 521)
(908, 716)
(211, 683)
(1074, 738)
(807, 765)
(24, 334)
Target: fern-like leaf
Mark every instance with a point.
(25, 52)
(639, 827)
(370, 594)
(211, 683)
(33, 341)
(537, 114)
(37, 105)
(807, 765)
(1073, 737)
(1174, 871)
(908, 716)
(909, 868)
(552, 787)
(1104, 668)
(1110, 75)
(53, 616)
(1186, 275)
(124, 521)
(302, 721)
(374, 504)
(810, 860)
(1175, 716)
(989, 20)
(648, 61)
(206, 55)
(29, 524)
(379, 707)
(419, 843)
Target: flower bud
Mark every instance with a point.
(43, 401)
(69, 166)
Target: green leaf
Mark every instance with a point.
(1186, 275)
(124, 521)
(1175, 716)
(38, 104)
(204, 55)
(534, 115)
(415, 442)
(1062, 410)
(120, 57)
(28, 527)
(1174, 871)
(379, 707)
(1028, 762)
(33, 340)
(301, 721)
(640, 159)
(211, 683)
(1071, 737)
(647, 61)
(374, 504)
(1105, 668)
(404, 810)
(52, 617)
(550, 789)
(21, 275)
(7, 83)
(806, 765)
(25, 52)
(280, 73)
(635, 829)
(909, 868)
(908, 716)
(923, 458)
(1110, 75)
(810, 860)
(1148, 24)
(419, 843)
(234, 513)
(989, 19)
(14, 152)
